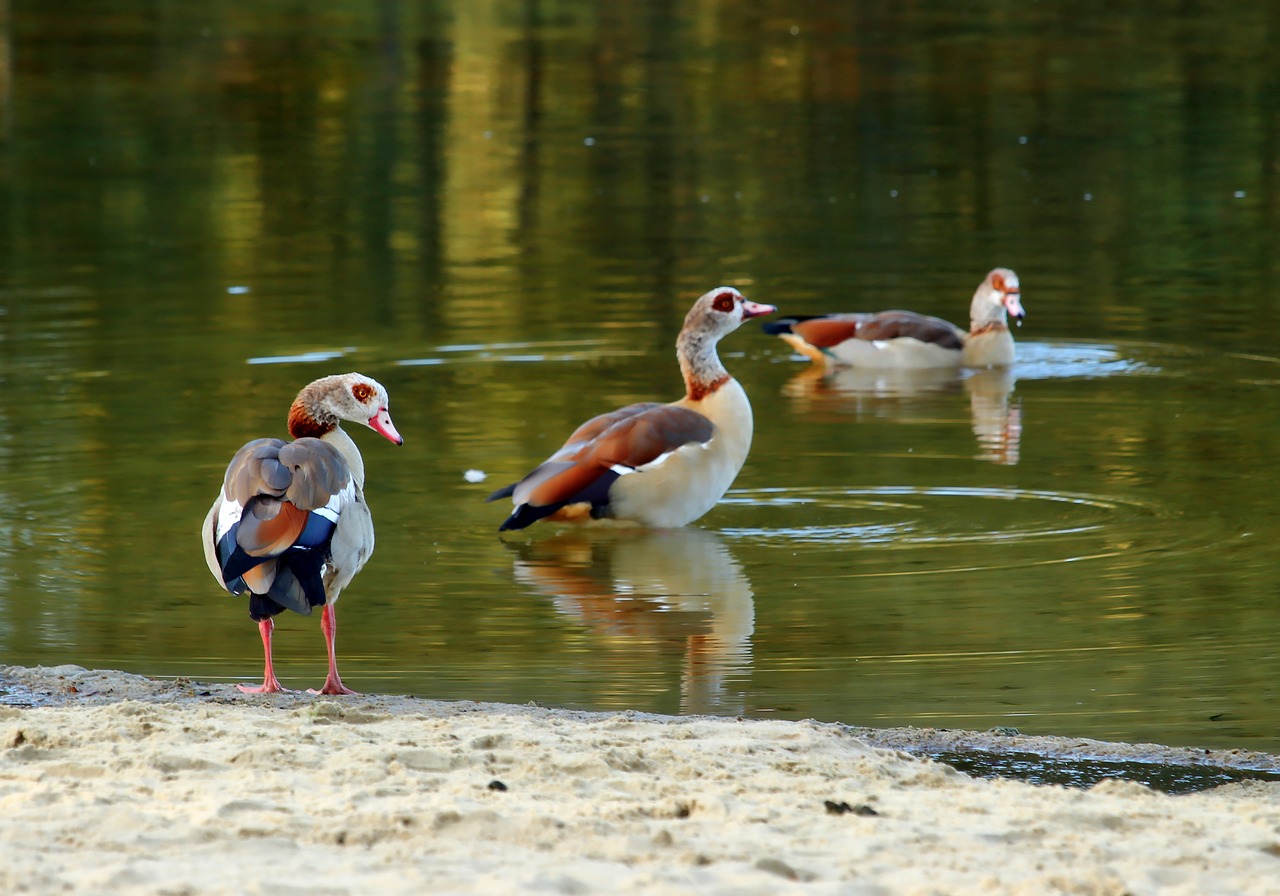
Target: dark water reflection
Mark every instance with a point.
(503, 211)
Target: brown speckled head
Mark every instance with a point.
(325, 403)
(714, 315)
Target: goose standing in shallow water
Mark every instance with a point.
(907, 340)
(661, 465)
(290, 525)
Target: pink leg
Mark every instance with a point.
(333, 684)
(269, 683)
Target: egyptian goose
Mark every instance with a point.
(291, 526)
(904, 339)
(660, 465)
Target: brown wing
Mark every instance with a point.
(278, 484)
(644, 437)
(596, 425)
(308, 472)
(900, 324)
(632, 440)
(260, 578)
(256, 470)
(319, 472)
(583, 434)
(824, 332)
(270, 526)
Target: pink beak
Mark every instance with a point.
(381, 424)
(755, 309)
(1013, 304)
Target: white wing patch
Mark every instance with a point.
(229, 512)
(228, 515)
(666, 455)
(332, 510)
(658, 461)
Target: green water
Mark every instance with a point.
(503, 210)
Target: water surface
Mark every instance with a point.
(503, 210)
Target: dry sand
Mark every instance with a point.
(114, 783)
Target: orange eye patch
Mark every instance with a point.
(362, 392)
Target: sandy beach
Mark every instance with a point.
(115, 783)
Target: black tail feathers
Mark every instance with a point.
(527, 515)
(782, 327)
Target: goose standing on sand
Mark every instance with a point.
(907, 340)
(660, 465)
(290, 525)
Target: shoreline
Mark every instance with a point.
(116, 783)
(68, 685)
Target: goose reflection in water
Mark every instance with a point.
(657, 585)
(996, 416)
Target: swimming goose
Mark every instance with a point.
(660, 465)
(905, 339)
(290, 525)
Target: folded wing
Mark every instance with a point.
(830, 330)
(602, 449)
(276, 516)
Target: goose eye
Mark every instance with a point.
(724, 302)
(362, 392)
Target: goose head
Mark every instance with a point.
(353, 397)
(997, 295)
(719, 312)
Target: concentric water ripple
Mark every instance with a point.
(1035, 526)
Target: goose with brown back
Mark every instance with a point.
(660, 465)
(290, 526)
(907, 340)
